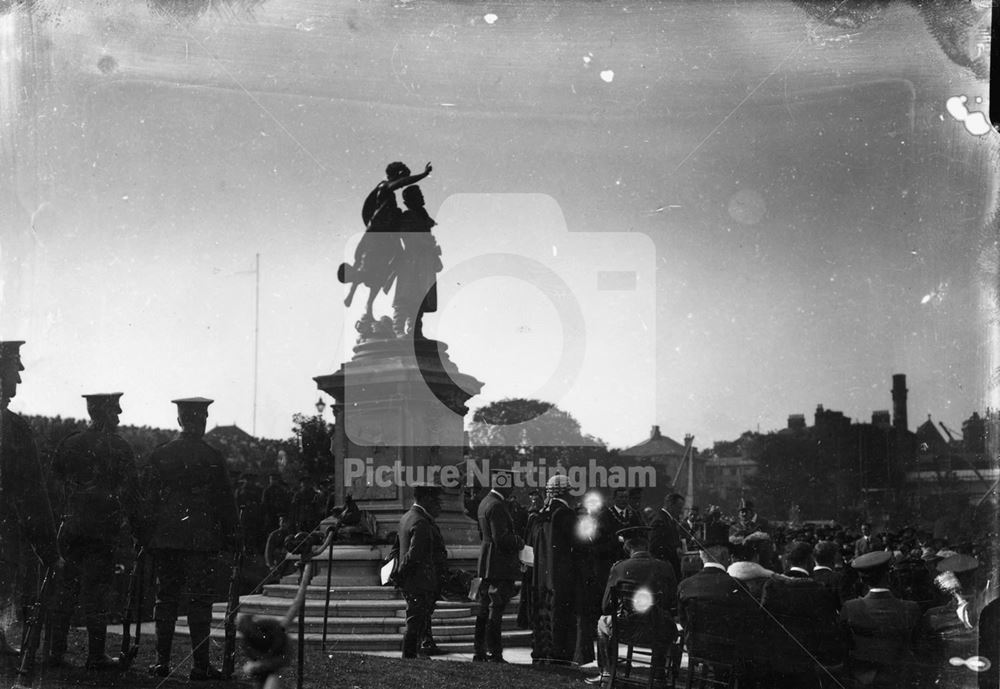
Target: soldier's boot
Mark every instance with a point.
(480, 639)
(164, 640)
(201, 671)
(97, 639)
(57, 641)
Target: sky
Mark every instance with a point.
(801, 213)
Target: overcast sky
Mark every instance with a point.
(803, 215)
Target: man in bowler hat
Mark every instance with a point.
(194, 517)
(422, 560)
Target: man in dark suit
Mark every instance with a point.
(422, 559)
(499, 567)
(193, 515)
(882, 626)
(712, 583)
(864, 544)
(825, 555)
(665, 537)
(654, 583)
(804, 631)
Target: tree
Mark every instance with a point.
(313, 435)
(529, 430)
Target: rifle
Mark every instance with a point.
(133, 610)
(329, 574)
(232, 605)
(33, 632)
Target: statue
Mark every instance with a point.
(416, 266)
(380, 245)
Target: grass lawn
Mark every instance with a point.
(337, 670)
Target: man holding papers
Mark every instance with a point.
(499, 566)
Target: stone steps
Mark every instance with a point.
(338, 641)
(267, 605)
(367, 617)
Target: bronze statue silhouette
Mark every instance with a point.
(415, 267)
(380, 245)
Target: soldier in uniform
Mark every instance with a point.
(882, 626)
(97, 479)
(24, 507)
(193, 517)
(422, 560)
(657, 577)
(499, 567)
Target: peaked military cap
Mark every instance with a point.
(958, 564)
(10, 348)
(633, 532)
(102, 397)
(191, 404)
(872, 560)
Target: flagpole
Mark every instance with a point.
(256, 340)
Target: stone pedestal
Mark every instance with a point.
(399, 406)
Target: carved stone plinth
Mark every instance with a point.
(399, 406)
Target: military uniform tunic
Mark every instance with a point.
(96, 474)
(193, 514)
(24, 503)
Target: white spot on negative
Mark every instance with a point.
(608, 75)
(490, 18)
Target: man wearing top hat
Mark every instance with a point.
(95, 473)
(422, 561)
(665, 538)
(499, 566)
(951, 630)
(654, 587)
(24, 499)
(193, 517)
(882, 626)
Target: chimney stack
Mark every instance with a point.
(655, 433)
(899, 421)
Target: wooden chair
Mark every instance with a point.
(638, 620)
(710, 639)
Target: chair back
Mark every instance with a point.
(639, 617)
(712, 630)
